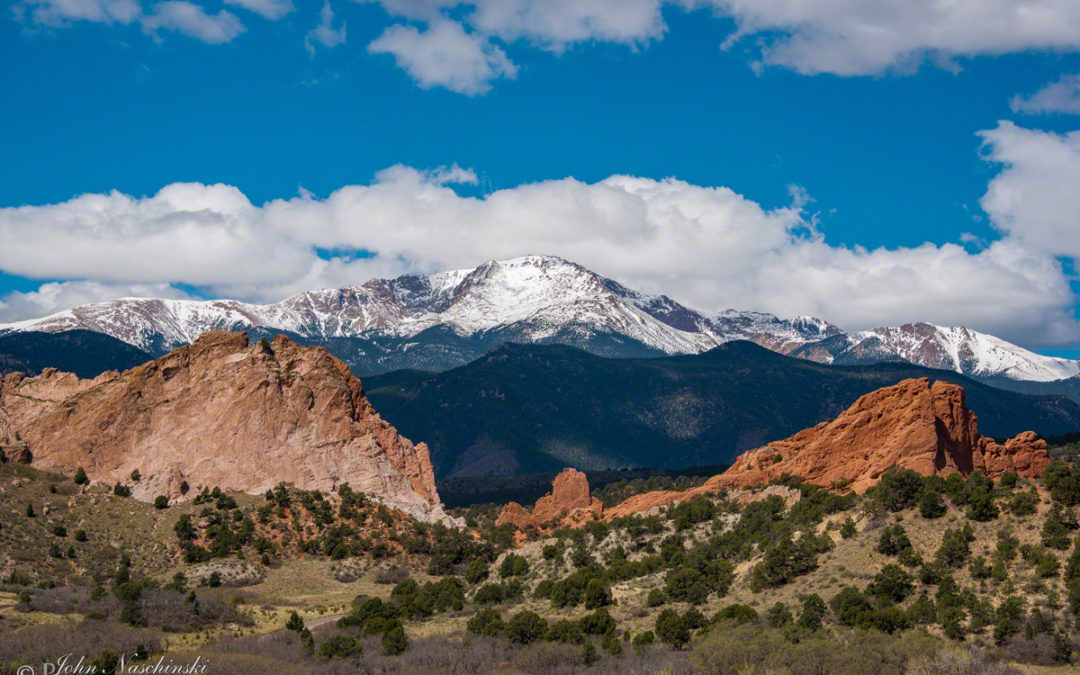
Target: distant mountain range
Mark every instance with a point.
(533, 408)
(445, 320)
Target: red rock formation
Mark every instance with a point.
(911, 425)
(220, 412)
(569, 503)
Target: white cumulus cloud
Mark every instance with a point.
(555, 24)
(1060, 96)
(63, 12)
(708, 247)
(1035, 198)
(192, 20)
(445, 55)
(325, 34)
(269, 9)
(461, 44)
(855, 37)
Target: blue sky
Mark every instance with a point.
(844, 154)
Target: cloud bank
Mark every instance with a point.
(462, 45)
(708, 247)
(841, 37)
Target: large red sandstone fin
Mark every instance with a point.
(221, 412)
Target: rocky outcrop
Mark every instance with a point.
(569, 503)
(220, 412)
(911, 425)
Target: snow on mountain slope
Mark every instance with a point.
(541, 299)
(969, 352)
(538, 295)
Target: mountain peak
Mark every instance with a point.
(446, 319)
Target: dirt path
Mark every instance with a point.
(321, 620)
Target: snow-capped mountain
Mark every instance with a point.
(447, 319)
(943, 347)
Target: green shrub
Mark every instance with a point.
(655, 598)
(597, 623)
(979, 569)
(738, 613)
(672, 629)
(609, 642)
(340, 646)
(477, 571)
(893, 540)
(922, 610)
(566, 631)
(954, 550)
(294, 623)
(394, 640)
(486, 622)
(891, 585)
(931, 505)
(779, 616)
(513, 566)
(597, 594)
(1024, 504)
(849, 606)
(366, 609)
(1056, 528)
(643, 639)
(848, 530)
(898, 490)
(813, 611)
(525, 628)
(1063, 482)
(784, 562)
(184, 528)
(981, 507)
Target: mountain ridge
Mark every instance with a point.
(447, 319)
(535, 408)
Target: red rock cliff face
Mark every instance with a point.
(911, 425)
(220, 412)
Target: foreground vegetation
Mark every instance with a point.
(918, 575)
